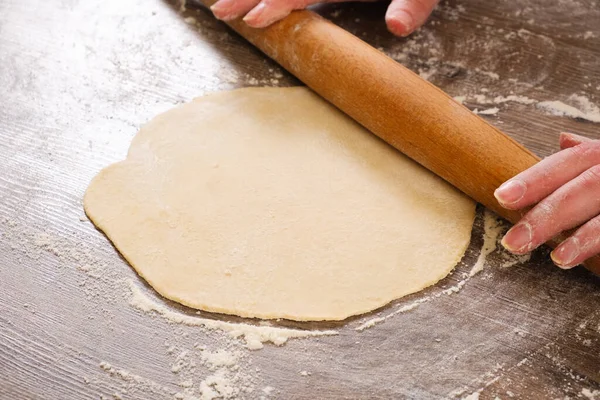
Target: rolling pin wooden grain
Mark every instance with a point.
(397, 105)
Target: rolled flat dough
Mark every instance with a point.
(271, 203)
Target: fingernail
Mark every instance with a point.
(518, 238)
(218, 7)
(221, 11)
(510, 192)
(254, 15)
(401, 22)
(566, 253)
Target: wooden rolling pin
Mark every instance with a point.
(397, 105)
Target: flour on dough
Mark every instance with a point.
(271, 203)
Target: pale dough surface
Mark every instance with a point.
(270, 203)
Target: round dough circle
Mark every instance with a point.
(271, 203)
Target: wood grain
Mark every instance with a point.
(78, 78)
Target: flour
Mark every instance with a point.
(489, 111)
(582, 108)
(513, 98)
(492, 230)
(588, 35)
(374, 321)
(96, 280)
(216, 386)
(133, 381)
(510, 260)
(186, 384)
(483, 99)
(182, 361)
(590, 394)
(222, 373)
(190, 20)
(336, 13)
(489, 74)
(473, 396)
(495, 374)
(253, 336)
(220, 358)
(271, 81)
(427, 74)
(226, 379)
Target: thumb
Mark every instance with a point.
(568, 140)
(404, 16)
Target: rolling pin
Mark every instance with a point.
(409, 113)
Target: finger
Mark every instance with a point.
(545, 177)
(572, 204)
(227, 10)
(583, 244)
(404, 16)
(270, 11)
(568, 140)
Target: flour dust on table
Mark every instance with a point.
(271, 203)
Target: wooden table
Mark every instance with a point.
(79, 77)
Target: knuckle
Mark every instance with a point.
(592, 227)
(299, 4)
(587, 149)
(579, 150)
(544, 210)
(589, 236)
(591, 177)
(595, 172)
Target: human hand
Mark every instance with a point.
(566, 188)
(402, 17)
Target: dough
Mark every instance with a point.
(271, 203)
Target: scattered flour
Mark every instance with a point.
(492, 75)
(510, 260)
(579, 107)
(190, 20)
(582, 108)
(219, 386)
(268, 390)
(133, 381)
(591, 394)
(486, 379)
(514, 99)
(223, 373)
(336, 13)
(473, 396)
(427, 74)
(483, 99)
(253, 336)
(492, 229)
(374, 321)
(220, 358)
(489, 111)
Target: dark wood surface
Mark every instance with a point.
(78, 78)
